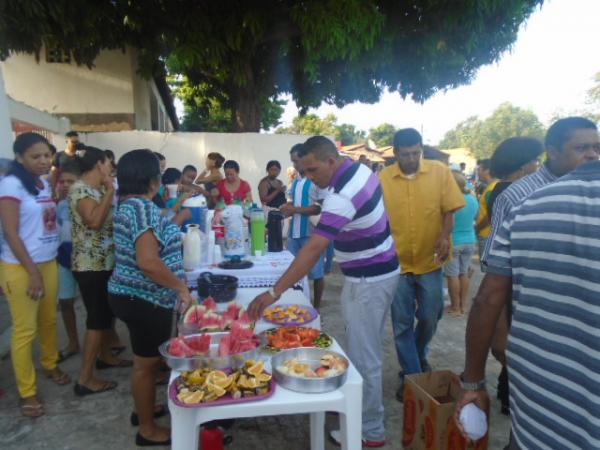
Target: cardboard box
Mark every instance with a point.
(429, 401)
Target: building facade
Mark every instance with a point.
(110, 96)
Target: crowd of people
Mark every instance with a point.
(80, 223)
(421, 214)
(75, 224)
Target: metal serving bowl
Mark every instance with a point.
(312, 356)
(213, 360)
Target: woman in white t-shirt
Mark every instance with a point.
(28, 270)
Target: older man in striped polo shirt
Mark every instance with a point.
(549, 249)
(354, 218)
(569, 143)
(546, 252)
(561, 141)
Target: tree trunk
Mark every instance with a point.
(247, 113)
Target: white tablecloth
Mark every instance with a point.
(264, 273)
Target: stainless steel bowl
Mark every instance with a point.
(213, 360)
(312, 356)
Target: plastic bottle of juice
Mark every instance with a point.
(257, 229)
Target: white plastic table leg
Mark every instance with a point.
(317, 431)
(184, 431)
(350, 429)
(351, 417)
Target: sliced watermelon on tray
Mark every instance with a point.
(205, 317)
(200, 344)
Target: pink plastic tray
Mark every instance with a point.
(294, 323)
(225, 400)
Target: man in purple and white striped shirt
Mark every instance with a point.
(354, 218)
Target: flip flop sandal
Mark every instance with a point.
(62, 357)
(141, 441)
(81, 390)
(62, 379)
(101, 365)
(160, 412)
(32, 411)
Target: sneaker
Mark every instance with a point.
(336, 437)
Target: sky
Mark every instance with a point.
(549, 69)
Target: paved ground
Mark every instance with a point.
(101, 422)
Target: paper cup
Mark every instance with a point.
(172, 188)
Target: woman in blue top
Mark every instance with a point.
(147, 281)
(463, 241)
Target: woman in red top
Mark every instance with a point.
(233, 188)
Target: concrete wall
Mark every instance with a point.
(251, 150)
(69, 88)
(110, 96)
(6, 135)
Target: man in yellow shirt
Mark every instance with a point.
(420, 197)
(483, 225)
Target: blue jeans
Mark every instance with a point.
(295, 245)
(420, 297)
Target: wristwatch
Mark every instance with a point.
(273, 294)
(468, 386)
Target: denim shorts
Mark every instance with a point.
(67, 286)
(461, 260)
(318, 270)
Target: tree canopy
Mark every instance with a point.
(482, 136)
(382, 135)
(205, 112)
(245, 54)
(593, 99)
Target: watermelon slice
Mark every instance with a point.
(210, 304)
(241, 339)
(233, 312)
(194, 314)
(244, 320)
(224, 346)
(199, 344)
(179, 349)
(212, 322)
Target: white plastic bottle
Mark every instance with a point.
(192, 248)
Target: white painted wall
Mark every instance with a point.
(251, 150)
(6, 135)
(69, 88)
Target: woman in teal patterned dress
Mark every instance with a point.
(146, 283)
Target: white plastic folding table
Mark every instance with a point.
(347, 400)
